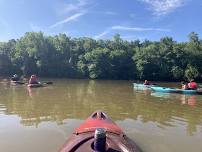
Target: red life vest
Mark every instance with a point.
(192, 85)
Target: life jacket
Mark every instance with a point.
(192, 85)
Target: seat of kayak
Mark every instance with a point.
(114, 143)
(99, 132)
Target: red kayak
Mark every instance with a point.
(99, 133)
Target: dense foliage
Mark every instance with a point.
(62, 56)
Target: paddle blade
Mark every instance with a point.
(48, 82)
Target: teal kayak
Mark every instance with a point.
(176, 90)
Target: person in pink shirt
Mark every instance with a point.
(192, 85)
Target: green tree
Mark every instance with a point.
(98, 63)
(122, 65)
(146, 60)
(6, 52)
(62, 56)
(166, 58)
(177, 72)
(191, 72)
(30, 50)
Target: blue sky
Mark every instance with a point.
(101, 19)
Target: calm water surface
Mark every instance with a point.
(40, 119)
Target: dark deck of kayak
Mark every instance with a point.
(84, 143)
(82, 139)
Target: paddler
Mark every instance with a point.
(33, 79)
(146, 82)
(15, 77)
(184, 85)
(192, 85)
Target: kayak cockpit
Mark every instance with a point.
(99, 133)
(85, 142)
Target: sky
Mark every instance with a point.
(102, 19)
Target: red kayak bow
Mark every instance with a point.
(99, 133)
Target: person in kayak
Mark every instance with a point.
(184, 85)
(15, 77)
(33, 80)
(146, 82)
(192, 85)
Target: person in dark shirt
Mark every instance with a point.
(15, 77)
(33, 80)
(146, 82)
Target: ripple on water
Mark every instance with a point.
(2, 109)
(178, 121)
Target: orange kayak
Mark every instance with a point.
(99, 133)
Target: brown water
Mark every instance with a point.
(40, 119)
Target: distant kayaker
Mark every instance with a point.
(192, 85)
(15, 77)
(146, 82)
(184, 85)
(33, 80)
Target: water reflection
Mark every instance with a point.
(188, 99)
(156, 122)
(175, 110)
(77, 99)
(146, 91)
(183, 98)
(161, 95)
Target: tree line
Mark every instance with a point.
(63, 56)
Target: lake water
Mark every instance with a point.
(41, 119)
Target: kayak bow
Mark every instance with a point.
(99, 132)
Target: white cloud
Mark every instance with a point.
(78, 6)
(68, 19)
(101, 34)
(132, 37)
(74, 10)
(124, 28)
(133, 29)
(162, 7)
(34, 27)
(109, 13)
